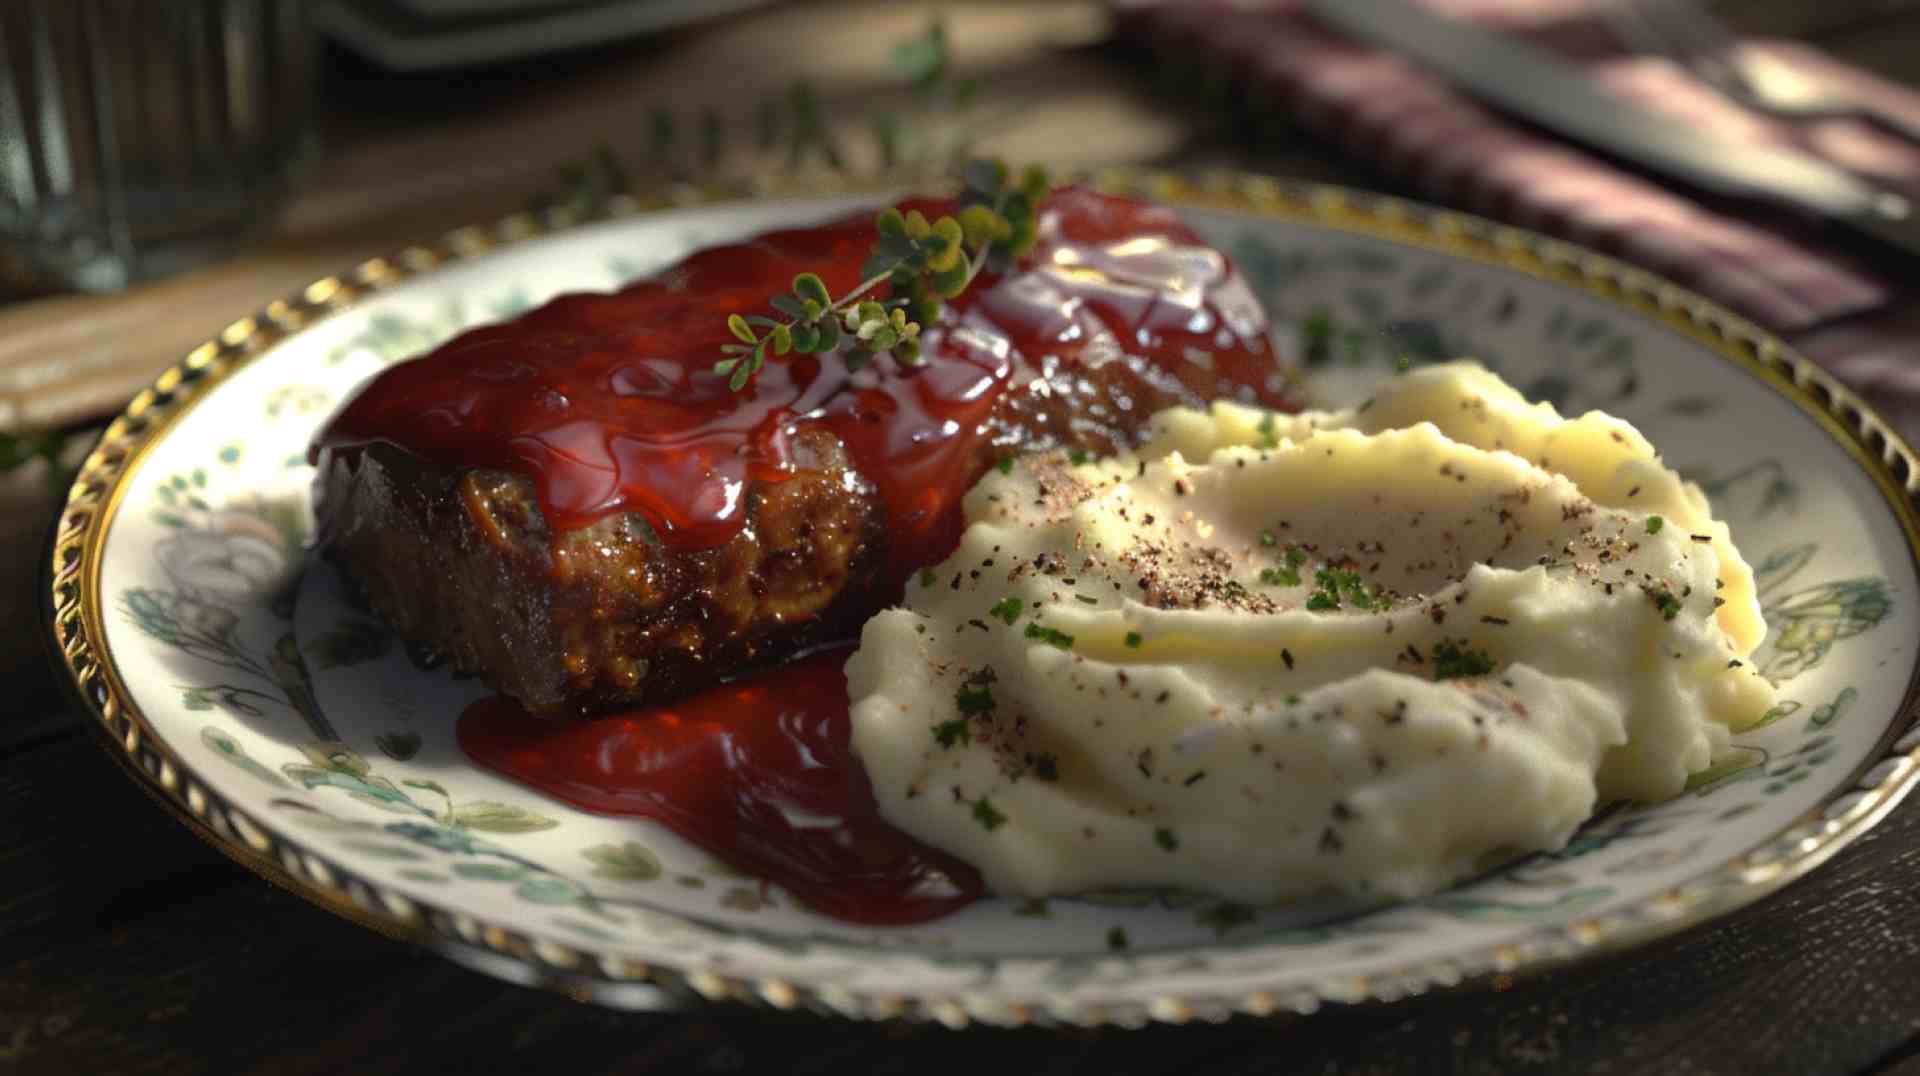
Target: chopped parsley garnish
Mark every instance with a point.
(1134, 640)
(1117, 938)
(927, 578)
(1007, 609)
(972, 698)
(1269, 433)
(1077, 457)
(976, 692)
(987, 815)
(1166, 839)
(1453, 660)
(1287, 575)
(1664, 601)
(1336, 585)
(1267, 538)
(1005, 464)
(1050, 636)
(954, 733)
(1654, 523)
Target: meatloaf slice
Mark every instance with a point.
(575, 508)
(462, 562)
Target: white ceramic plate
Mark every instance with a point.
(229, 671)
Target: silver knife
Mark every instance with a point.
(1535, 85)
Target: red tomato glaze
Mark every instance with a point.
(610, 404)
(759, 772)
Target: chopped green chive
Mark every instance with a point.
(1050, 636)
(1117, 938)
(1166, 839)
(954, 733)
(1654, 523)
(1005, 465)
(1134, 640)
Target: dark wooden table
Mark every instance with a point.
(128, 946)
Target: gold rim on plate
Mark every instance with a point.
(74, 614)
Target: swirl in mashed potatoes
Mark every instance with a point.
(1272, 656)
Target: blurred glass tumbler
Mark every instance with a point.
(140, 137)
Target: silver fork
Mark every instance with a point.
(1693, 38)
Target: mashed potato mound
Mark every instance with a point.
(1278, 655)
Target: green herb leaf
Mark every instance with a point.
(1453, 660)
(1050, 636)
(809, 286)
(984, 813)
(1338, 585)
(1663, 600)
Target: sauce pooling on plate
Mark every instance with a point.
(758, 772)
(609, 402)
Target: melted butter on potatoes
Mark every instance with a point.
(1272, 656)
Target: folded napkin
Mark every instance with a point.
(1414, 125)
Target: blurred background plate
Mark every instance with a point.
(422, 35)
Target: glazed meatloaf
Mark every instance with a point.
(576, 508)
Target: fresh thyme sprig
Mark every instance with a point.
(922, 262)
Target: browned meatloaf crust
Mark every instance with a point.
(461, 562)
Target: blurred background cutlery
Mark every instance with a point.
(1689, 35)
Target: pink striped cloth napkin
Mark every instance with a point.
(1848, 315)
